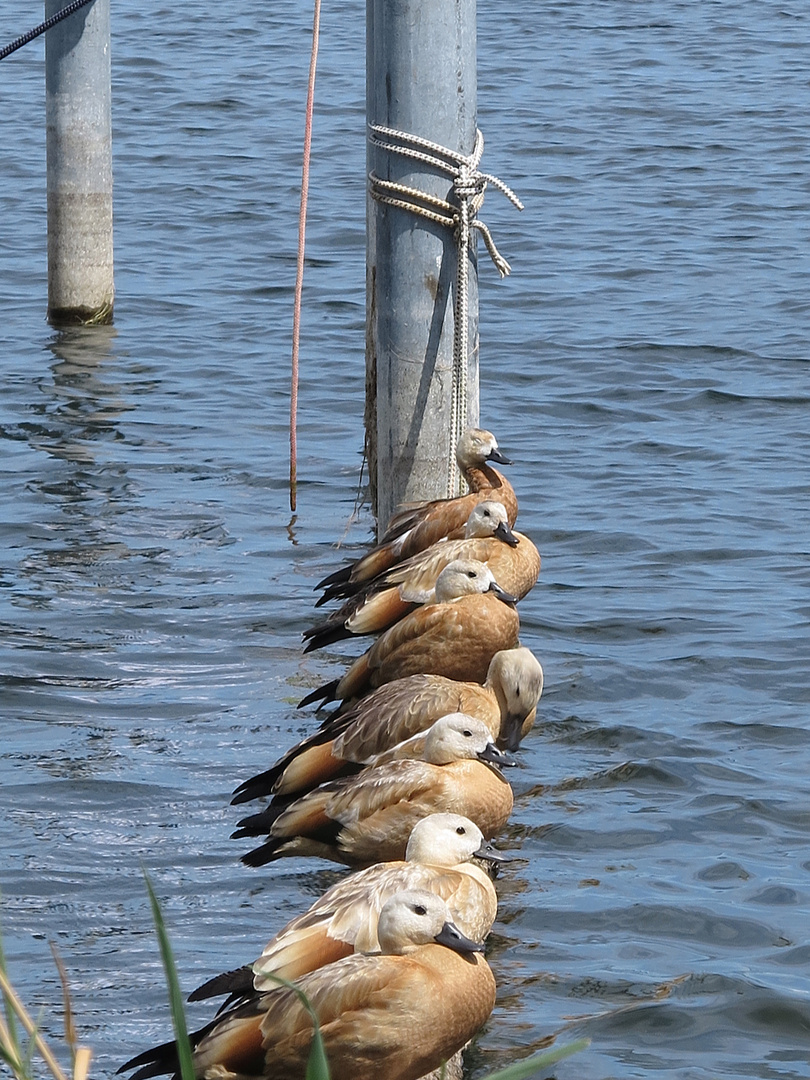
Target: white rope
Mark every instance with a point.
(469, 185)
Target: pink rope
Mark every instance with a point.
(299, 276)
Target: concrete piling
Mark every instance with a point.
(421, 79)
(79, 166)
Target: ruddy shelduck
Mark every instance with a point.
(512, 557)
(344, 920)
(351, 739)
(457, 636)
(363, 819)
(418, 525)
(395, 1014)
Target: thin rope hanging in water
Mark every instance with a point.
(299, 275)
(469, 185)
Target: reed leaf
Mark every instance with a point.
(317, 1065)
(176, 1005)
(532, 1065)
(9, 1035)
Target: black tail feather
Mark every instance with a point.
(236, 984)
(164, 1058)
(258, 824)
(160, 1059)
(264, 854)
(324, 693)
(262, 784)
(343, 591)
(339, 577)
(318, 637)
(258, 786)
(343, 713)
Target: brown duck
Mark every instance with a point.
(418, 525)
(368, 818)
(350, 740)
(395, 1014)
(438, 858)
(457, 636)
(511, 556)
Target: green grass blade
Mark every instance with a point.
(175, 996)
(532, 1065)
(12, 1062)
(317, 1065)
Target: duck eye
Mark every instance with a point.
(461, 830)
(471, 573)
(467, 733)
(420, 909)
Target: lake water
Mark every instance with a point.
(646, 367)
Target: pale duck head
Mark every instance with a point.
(516, 677)
(488, 519)
(466, 577)
(449, 840)
(459, 737)
(477, 446)
(416, 917)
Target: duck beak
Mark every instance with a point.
(487, 853)
(503, 532)
(498, 458)
(502, 594)
(492, 754)
(511, 732)
(452, 937)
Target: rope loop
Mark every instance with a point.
(469, 186)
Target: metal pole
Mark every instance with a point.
(421, 79)
(79, 155)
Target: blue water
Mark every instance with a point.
(646, 366)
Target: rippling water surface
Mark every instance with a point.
(646, 366)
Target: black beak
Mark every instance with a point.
(495, 756)
(487, 853)
(503, 532)
(452, 937)
(502, 594)
(511, 732)
(498, 458)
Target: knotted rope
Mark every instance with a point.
(469, 185)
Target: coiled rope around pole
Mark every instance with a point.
(469, 185)
(42, 28)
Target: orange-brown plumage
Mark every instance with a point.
(512, 557)
(391, 1018)
(442, 857)
(418, 525)
(394, 712)
(370, 816)
(456, 637)
(392, 1015)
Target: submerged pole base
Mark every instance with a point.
(81, 316)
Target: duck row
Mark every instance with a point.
(402, 780)
(390, 960)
